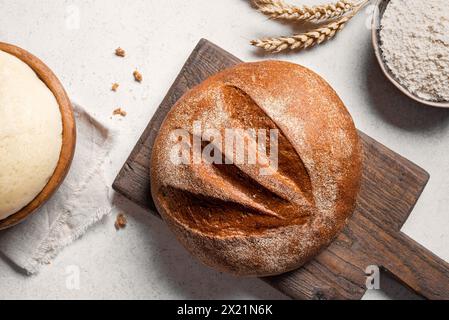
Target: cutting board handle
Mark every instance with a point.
(416, 267)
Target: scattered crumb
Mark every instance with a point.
(120, 222)
(137, 76)
(119, 52)
(115, 86)
(119, 112)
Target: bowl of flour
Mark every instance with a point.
(411, 42)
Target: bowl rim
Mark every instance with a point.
(375, 28)
(68, 133)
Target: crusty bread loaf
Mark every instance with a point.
(237, 220)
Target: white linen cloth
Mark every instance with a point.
(81, 201)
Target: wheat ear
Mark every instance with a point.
(308, 39)
(278, 9)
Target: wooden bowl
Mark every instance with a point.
(380, 7)
(68, 133)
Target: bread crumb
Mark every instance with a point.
(120, 222)
(137, 76)
(119, 112)
(115, 86)
(119, 52)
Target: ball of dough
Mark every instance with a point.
(30, 134)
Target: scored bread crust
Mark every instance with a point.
(231, 217)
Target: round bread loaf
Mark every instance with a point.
(231, 216)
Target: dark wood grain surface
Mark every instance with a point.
(390, 188)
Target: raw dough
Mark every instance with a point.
(30, 134)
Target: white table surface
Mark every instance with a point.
(144, 261)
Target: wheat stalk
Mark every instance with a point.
(308, 39)
(278, 9)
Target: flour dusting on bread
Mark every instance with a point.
(239, 221)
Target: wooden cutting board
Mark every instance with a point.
(390, 188)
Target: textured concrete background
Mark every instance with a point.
(77, 39)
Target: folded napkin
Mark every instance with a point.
(81, 201)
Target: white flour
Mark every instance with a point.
(415, 46)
